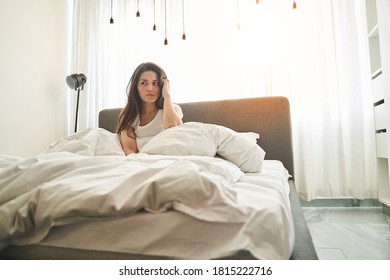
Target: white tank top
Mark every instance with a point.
(145, 132)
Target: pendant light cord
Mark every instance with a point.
(184, 32)
(166, 39)
(111, 19)
(154, 15)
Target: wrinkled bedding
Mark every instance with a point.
(85, 178)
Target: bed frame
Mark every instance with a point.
(268, 116)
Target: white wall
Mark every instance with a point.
(34, 62)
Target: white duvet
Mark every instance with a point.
(85, 177)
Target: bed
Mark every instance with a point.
(240, 203)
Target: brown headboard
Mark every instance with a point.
(268, 116)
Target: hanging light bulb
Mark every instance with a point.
(294, 6)
(257, 1)
(138, 13)
(111, 19)
(166, 39)
(154, 15)
(184, 33)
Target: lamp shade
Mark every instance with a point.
(75, 81)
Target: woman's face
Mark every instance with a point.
(149, 87)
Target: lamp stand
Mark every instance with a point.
(77, 110)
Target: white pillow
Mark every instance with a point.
(183, 140)
(88, 142)
(239, 149)
(193, 138)
(253, 136)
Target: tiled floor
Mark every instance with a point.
(346, 232)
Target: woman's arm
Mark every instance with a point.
(172, 113)
(128, 141)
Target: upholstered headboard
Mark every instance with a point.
(268, 116)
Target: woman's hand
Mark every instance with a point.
(172, 113)
(165, 89)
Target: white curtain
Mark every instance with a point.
(316, 55)
(329, 89)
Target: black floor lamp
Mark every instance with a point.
(76, 82)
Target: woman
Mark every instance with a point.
(149, 109)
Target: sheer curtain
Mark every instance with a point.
(316, 55)
(329, 89)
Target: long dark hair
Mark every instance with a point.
(134, 104)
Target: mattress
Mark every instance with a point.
(267, 234)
